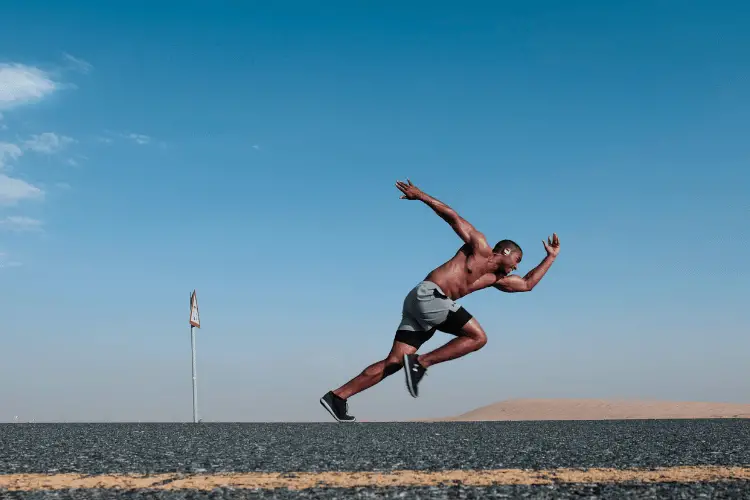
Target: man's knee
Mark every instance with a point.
(481, 340)
(392, 365)
(386, 367)
(474, 331)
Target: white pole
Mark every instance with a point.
(195, 387)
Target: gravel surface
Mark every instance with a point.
(277, 447)
(659, 491)
(150, 448)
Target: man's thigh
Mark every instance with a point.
(405, 342)
(444, 314)
(456, 320)
(409, 341)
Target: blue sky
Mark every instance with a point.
(250, 151)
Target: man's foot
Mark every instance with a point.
(337, 407)
(414, 373)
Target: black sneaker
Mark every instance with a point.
(414, 373)
(336, 407)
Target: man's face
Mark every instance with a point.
(509, 263)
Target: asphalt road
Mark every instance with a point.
(589, 492)
(215, 448)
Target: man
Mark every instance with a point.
(431, 305)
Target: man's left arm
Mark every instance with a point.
(514, 283)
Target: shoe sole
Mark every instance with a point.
(333, 414)
(408, 376)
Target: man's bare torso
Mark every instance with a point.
(465, 273)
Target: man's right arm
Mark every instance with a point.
(461, 226)
(514, 283)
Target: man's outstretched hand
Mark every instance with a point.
(552, 245)
(411, 192)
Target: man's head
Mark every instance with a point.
(508, 255)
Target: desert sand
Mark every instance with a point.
(600, 409)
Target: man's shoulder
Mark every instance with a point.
(468, 250)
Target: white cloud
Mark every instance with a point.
(79, 64)
(256, 147)
(74, 162)
(21, 84)
(5, 262)
(47, 143)
(8, 151)
(13, 190)
(139, 138)
(20, 223)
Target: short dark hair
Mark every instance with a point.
(502, 245)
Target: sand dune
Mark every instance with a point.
(600, 409)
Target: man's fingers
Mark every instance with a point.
(553, 242)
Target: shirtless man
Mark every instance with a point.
(431, 305)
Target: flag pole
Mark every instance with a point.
(195, 387)
(195, 322)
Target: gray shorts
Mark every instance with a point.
(426, 309)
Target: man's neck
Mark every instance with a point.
(495, 262)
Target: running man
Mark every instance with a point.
(431, 305)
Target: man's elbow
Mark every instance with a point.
(451, 216)
(527, 286)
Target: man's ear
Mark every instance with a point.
(506, 251)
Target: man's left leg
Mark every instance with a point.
(405, 343)
(376, 372)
